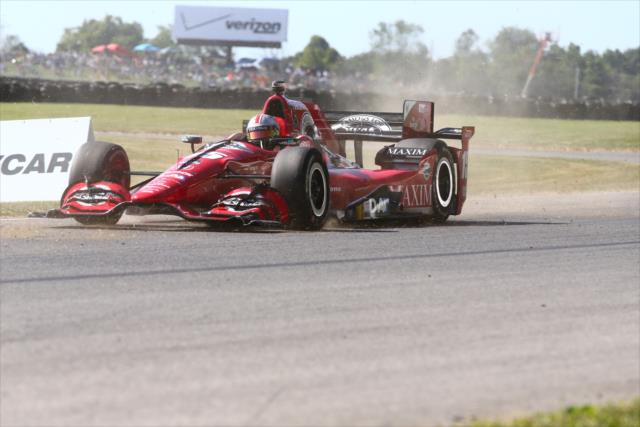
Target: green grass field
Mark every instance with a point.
(543, 134)
(135, 119)
(549, 134)
(611, 415)
(150, 135)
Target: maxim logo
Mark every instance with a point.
(416, 195)
(408, 152)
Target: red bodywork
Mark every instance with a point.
(229, 180)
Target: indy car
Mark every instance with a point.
(297, 180)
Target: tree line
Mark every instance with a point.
(398, 61)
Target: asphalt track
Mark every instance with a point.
(519, 305)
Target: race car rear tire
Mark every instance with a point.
(100, 161)
(300, 175)
(443, 188)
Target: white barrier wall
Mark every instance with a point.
(36, 156)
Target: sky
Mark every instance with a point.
(346, 25)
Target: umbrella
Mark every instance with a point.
(245, 61)
(114, 48)
(146, 47)
(99, 49)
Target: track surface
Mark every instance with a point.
(519, 305)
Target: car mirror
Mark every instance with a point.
(193, 140)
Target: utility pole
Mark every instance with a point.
(229, 55)
(576, 87)
(532, 72)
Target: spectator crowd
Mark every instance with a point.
(171, 66)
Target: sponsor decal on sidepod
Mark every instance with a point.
(407, 152)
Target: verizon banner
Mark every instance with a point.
(36, 155)
(231, 26)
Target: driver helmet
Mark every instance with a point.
(261, 128)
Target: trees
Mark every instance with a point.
(557, 73)
(465, 43)
(317, 55)
(397, 54)
(623, 68)
(468, 71)
(399, 60)
(163, 38)
(597, 79)
(400, 36)
(510, 57)
(92, 33)
(12, 45)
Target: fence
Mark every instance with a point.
(160, 94)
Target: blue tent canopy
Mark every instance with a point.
(146, 47)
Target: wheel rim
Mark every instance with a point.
(444, 183)
(317, 190)
(117, 168)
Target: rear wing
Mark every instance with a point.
(416, 121)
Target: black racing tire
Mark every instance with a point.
(100, 161)
(99, 220)
(301, 176)
(443, 188)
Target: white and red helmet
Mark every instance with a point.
(262, 127)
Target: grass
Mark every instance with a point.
(21, 209)
(611, 415)
(135, 119)
(548, 134)
(491, 132)
(150, 154)
(150, 135)
(502, 174)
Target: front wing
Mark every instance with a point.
(260, 205)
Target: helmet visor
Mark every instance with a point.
(261, 134)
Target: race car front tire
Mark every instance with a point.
(300, 175)
(443, 188)
(99, 220)
(100, 161)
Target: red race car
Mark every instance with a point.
(287, 168)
